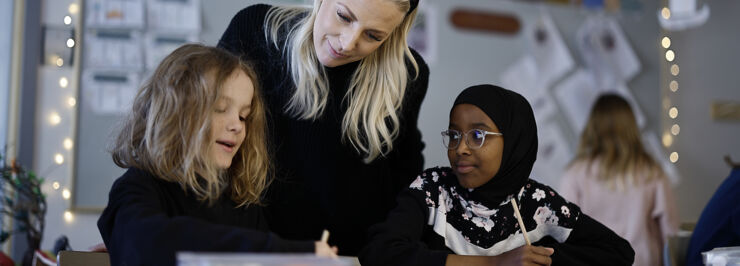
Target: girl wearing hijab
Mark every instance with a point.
(462, 215)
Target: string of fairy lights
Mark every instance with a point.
(671, 128)
(54, 117)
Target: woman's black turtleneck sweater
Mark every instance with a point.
(321, 180)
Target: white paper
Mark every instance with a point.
(522, 77)
(606, 51)
(551, 55)
(423, 35)
(553, 154)
(576, 94)
(179, 16)
(109, 92)
(113, 50)
(115, 14)
(159, 45)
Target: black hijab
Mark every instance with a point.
(514, 117)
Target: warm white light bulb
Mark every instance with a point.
(667, 140)
(666, 13)
(674, 86)
(66, 194)
(67, 20)
(674, 157)
(666, 42)
(670, 55)
(673, 112)
(70, 43)
(71, 101)
(54, 118)
(675, 129)
(55, 185)
(674, 70)
(60, 62)
(68, 216)
(58, 158)
(68, 143)
(63, 82)
(73, 8)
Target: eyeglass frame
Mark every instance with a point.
(465, 137)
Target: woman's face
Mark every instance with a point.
(346, 31)
(228, 122)
(474, 167)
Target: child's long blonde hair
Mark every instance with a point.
(377, 87)
(168, 131)
(612, 140)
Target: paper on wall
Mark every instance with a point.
(551, 55)
(109, 92)
(522, 77)
(178, 16)
(158, 45)
(606, 51)
(113, 49)
(127, 14)
(553, 154)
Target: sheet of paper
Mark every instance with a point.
(423, 35)
(113, 50)
(523, 77)
(606, 51)
(158, 45)
(177, 16)
(114, 14)
(553, 154)
(576, 94)
(551, 55)
(109, 92)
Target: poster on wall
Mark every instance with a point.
(577, 93)
(553, 154)
(109, 92)
(551, 55)
(114, 49)
(606, 51)
(423, 34)
(523, 77)
(127, 14)
(174, 16)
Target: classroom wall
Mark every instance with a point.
(6, 31)
(466, 58)
(708, 58)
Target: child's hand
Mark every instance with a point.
(526, 255)
(324, 250)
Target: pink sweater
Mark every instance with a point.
(644, 215)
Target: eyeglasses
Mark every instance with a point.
(474, 138)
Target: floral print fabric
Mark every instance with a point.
(492, 230)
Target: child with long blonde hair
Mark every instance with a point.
(615, 180)
(194, 145)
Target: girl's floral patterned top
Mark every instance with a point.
(471, 228)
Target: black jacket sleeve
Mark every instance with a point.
(398, 240)
(590, 243)
(409, 160)
(137, 230)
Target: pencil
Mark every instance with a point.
(521, 223)
(325, 236)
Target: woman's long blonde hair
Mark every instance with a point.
(377, 88)
(168, 131)
(612, 140)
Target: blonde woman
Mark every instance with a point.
(343, 91)
(197, 165)
(615, 181)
